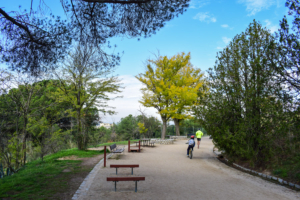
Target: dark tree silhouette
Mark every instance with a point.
(287, 63)
(32, 43)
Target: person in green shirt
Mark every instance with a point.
(199, 134)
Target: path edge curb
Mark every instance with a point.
(262, 175)
(86, 183)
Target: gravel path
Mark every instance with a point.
(171, 175)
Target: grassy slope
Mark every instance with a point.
(40, 180)
(289, 169)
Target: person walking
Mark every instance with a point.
(199, 135)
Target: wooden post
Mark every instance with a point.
(128, 145)
(104, 156)
(139, 145)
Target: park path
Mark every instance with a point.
(171, 175)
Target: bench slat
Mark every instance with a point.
(128, 166)
(118, 151)
(125, 178)
(114, 146)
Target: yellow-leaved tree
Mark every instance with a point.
(142, 128)
(189, 83)
(172, 85)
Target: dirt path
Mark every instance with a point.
(171, 175)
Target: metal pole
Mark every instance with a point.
(116, 170)
(115, 186)
(132, 171)
(135, 186)
(104, 156)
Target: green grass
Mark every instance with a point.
(118, 143)
(40, 180)
(289, 169)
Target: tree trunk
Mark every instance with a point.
(18, 150)
(177, 130)
(24, 140)
(164, 129)
(79, 133)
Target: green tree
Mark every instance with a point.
(25, 102)
(46, 135)
(245, 109)
(286, 61)
(85, 84)
(128, 128)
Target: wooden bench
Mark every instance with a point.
(113, 149)
(116, 179)
(124, 166)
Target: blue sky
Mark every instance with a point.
(206, 28)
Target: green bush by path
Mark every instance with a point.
(42, 180)
(289, 169)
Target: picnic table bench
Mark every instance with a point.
(116, 179)
(151, 143)
(113, 149)
(124, 166)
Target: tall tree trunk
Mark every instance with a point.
(164, 129)
(177, 130)
(18, 147)
(24, 139)
(79, 132)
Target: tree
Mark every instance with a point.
(158, 85)
(31, 41)
(188, 83)
(287, 59)
(46, 136)
(84, 84)
(127, 128)
(25, 103)
(246, 108)
(151, 124)
(142, 128)
(171, 87)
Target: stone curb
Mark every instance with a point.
(85, 185)
(279, 180)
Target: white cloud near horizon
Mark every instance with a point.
(270, 26)
(195, 4)
(225, 26)
(129, 103)
(255, 6)
(205, 17)
(226, 40)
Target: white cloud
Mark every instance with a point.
(195, 4)
(225, 26)
(219, 48)
(255, 6)
(129, 103)
(205, 17)
(270, 26)
(226, 40)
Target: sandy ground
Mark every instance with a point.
(170, 174)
